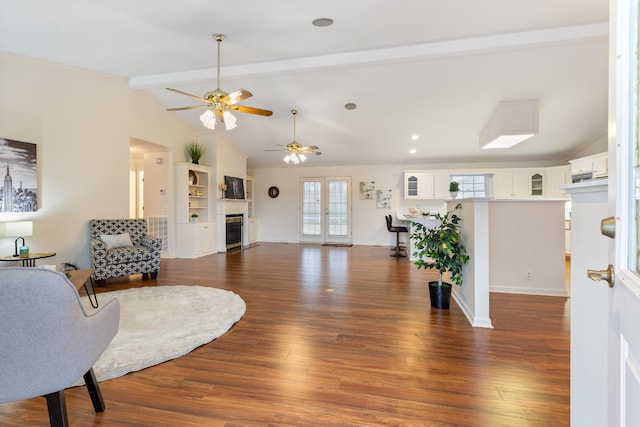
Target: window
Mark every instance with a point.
(472, 185)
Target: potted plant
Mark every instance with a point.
(440, 248)
(195, 151)
(454, 187)
(194, 217)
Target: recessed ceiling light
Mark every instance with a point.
(322, 22)
(415, 137)
(412, 151)
(350, 106)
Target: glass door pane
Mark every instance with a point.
(338, 209)
(312, 208)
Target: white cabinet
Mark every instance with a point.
(556, 178)
(193, 197)
(601, 166)
(426, 185)
(252, 231)
(195, 239)
(596, 164)
(519, 183)
(503, 181)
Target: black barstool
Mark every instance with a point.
(396, 229)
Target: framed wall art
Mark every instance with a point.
(367, 190)
(19, 188)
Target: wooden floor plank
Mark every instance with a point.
(342, 337)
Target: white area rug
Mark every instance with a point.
(160, 323)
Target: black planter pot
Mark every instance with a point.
(195, 162)
(440, 295)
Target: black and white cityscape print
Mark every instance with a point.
(19, 190)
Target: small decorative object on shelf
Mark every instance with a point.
(194, 217)
(222, 187)
(195, 151)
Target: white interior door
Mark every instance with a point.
(624, 182)
(325, 210)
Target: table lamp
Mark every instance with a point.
(17, 229)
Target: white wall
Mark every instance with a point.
(473, 296)
(527, 236)
(82, 123)
(278, 218)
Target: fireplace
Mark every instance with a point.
(234, 232)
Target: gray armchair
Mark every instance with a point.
(139, 253)
(47, 340)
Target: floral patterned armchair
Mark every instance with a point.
(121, 247)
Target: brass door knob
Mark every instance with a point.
(608, 275)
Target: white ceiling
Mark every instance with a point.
(433, 68)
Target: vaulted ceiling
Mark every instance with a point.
(436, 69)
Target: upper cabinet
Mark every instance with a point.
(519, 183)
(511, 183)
(557, 177)
(426, 185)
(590, 167)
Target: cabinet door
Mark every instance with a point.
(601, 166)
(536, 181)
(204, 238)
(252, 231)
(555, 178)
(441, 182)
(426, 184)
(503, 184)
(521, 181)
(411, 185)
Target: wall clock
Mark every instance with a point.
(273, 192)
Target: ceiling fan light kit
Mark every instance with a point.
(510, 124)
(220, 102)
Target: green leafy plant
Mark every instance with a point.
(454, 186)
(194, 215)
(195, 151)
(440, 248)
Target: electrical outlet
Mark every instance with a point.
(528, 275)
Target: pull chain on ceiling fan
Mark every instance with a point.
(220, 102)
(296, 153)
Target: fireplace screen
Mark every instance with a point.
(234, 232)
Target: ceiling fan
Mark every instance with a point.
(296, 153)
(220, 102)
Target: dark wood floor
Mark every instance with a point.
(338, 336)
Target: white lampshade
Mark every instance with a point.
(511, 123)
(16, 229)
(208, 119)
(229, 120)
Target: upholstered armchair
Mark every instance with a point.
(47, 340)
(121, 247)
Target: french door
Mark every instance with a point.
(624, 159)
(325, 210)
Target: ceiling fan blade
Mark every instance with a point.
(186, 94)
(308, 149)
(317, 153)
(237, 96)
(250, 110)
(283, 149)
(188, 108)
